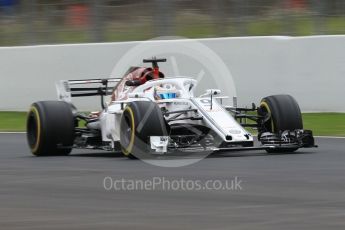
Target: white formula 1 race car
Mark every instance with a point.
(149, 114)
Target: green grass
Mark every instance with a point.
(12, 121)
(322, 124)
(325, 124)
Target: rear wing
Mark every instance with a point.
(66, 89)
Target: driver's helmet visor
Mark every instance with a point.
(167, 95)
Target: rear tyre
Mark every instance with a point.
(283, 113)
(50, 128)
(139, 121)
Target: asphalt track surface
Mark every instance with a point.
(305, 190)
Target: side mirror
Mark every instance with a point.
(213, 91)
(133, 82)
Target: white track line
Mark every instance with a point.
(330, 137)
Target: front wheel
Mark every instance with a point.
(139, 121)
(281, 113)
(50, 128)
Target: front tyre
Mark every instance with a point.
(282, 113)
(139, 121)
(50, 128)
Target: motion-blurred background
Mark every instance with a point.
(26, 22)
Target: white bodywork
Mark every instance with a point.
(217, 118)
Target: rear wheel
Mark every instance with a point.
(282, 113)
(50, 128)
(139, 121)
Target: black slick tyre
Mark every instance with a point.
(284, 114)
(50, 128)
(139, 121)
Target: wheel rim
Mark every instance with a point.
(269, 125)
(126, 132)
(33, 130)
